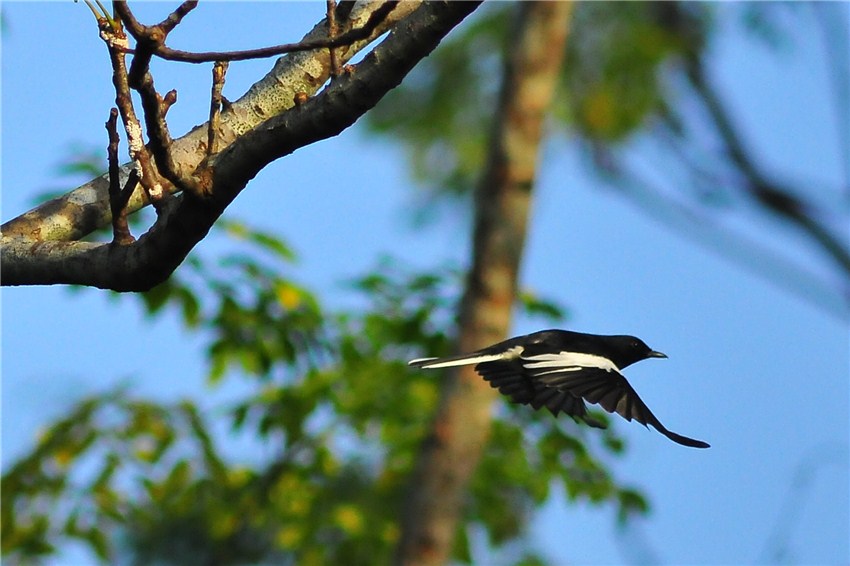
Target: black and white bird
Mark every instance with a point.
(560, 370)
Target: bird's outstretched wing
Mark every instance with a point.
(608, 388)
(510, 379)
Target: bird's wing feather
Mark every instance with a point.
(510, 379)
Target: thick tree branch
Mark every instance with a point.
(461, 428)
(151, 259)
(85, 209)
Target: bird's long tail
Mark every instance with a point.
(461, 360)
(678, 438)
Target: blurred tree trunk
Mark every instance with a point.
(453, 449)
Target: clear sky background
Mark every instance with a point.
(756, 371)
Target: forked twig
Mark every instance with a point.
(118, 198)
(113, 35)
(150, 42)
(356, 34)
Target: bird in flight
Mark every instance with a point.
(560, 370)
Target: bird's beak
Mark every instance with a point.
(654, 354)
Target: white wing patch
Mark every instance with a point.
(568, 361)
(513, 353)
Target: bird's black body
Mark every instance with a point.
(560, 370)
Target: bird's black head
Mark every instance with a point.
(626, 350)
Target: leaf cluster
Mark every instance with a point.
(311, 465)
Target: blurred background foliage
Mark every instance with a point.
(637, 99)
(333, 407)
(335, 414)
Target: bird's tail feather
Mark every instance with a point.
(461, 360)
(679, 439)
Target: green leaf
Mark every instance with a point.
(333, 419)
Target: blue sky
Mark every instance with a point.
(758, 372)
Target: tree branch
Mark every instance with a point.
(113, 35)
(148, 40)
(185, 221)
(776, 198)
(117, 196)
(85, 209)
(351, 36)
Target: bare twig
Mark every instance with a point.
(148, 39)
(160, 140)
(177, 15)
(113, 35)
(332, 30)
(219, 72)
(375, 18)
(168, 100)
(120, 229)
